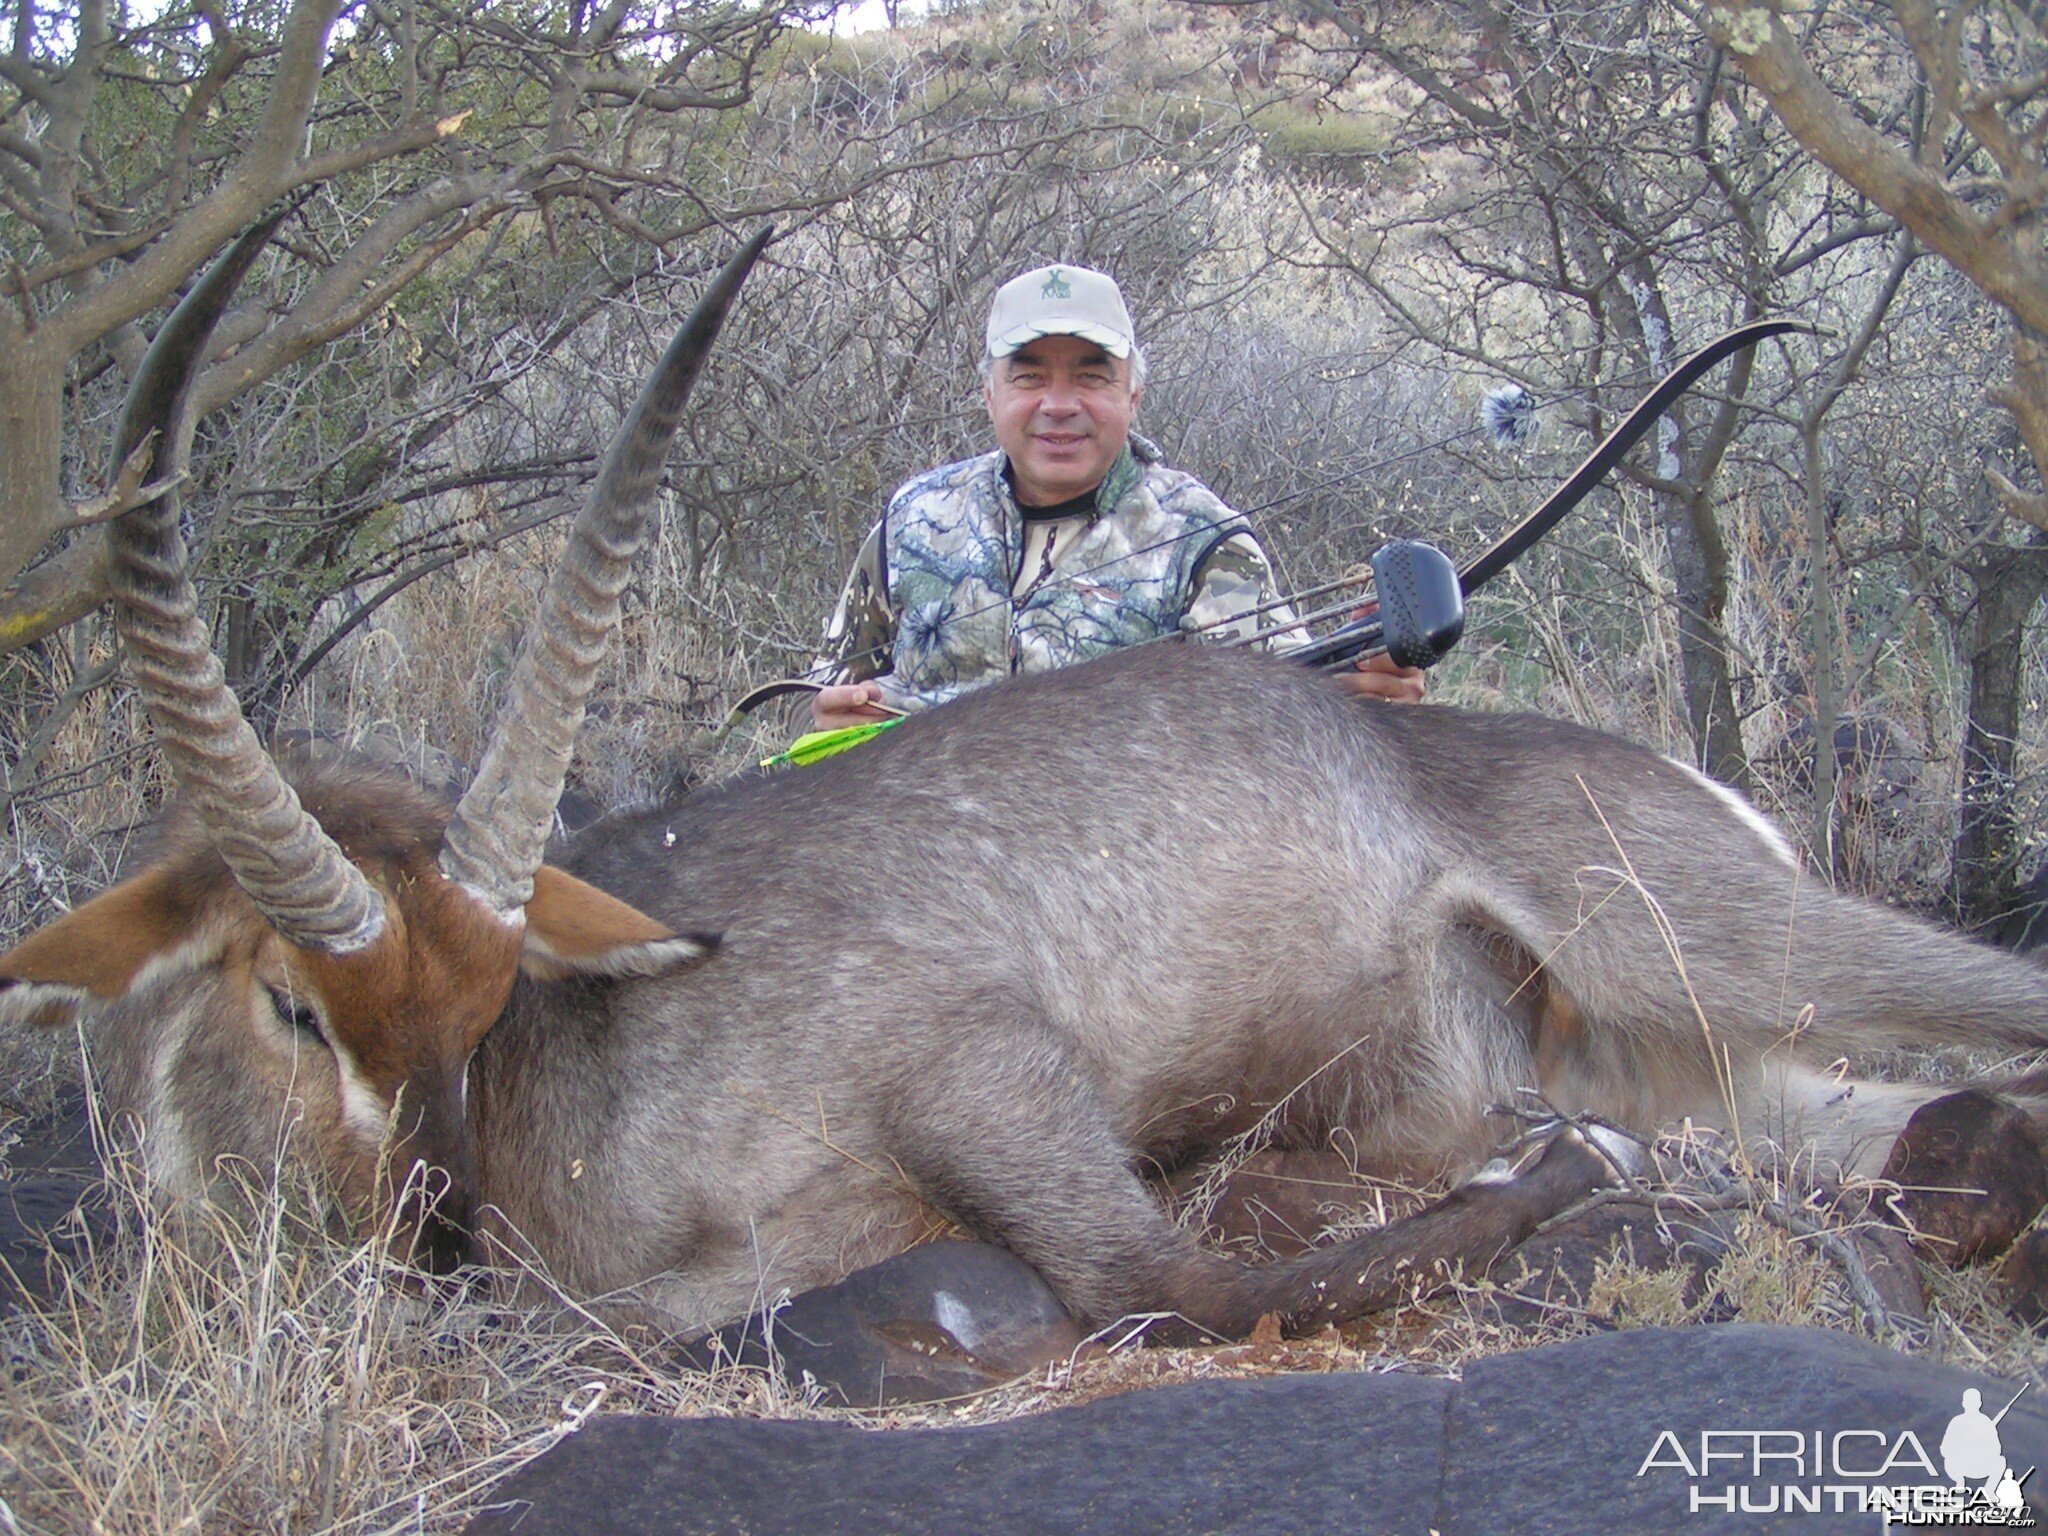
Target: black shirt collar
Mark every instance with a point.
(1082, 505)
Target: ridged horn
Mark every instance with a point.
(282, 859)
(500, 830)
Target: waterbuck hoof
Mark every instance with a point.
(1974, 1175)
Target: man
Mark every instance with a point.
(1071, 539)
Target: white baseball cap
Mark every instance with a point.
(1060, 300)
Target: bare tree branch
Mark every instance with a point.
(2011, 271)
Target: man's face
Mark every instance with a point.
(1062, 410)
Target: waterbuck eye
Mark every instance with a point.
(297, 1014)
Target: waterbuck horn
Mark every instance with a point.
(287, 865)
(499, 832)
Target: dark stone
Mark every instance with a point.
(1558, 1268)
(52, 1206)
(56, 1141)
(943, 1320)
(1975, 1173)
(1548, 1440)
(48, 1225)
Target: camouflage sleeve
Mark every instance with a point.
(1235, 579)
(860, 639)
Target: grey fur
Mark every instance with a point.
(1029, 942)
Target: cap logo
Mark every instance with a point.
(1056, 287)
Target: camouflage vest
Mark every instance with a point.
(952, 540)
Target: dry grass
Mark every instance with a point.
(239, 1367)
(426, 676)
(252, 1372)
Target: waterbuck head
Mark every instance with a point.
(329, 955)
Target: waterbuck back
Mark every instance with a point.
(1107, 917)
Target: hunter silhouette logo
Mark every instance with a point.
(1838, 1471)
(1056, 287)
(1971, 1452)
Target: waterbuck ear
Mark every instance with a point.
(574, 929)
(93, 951)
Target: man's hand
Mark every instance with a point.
(844, 704)
(1376, 677)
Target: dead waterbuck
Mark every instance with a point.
(992, 964)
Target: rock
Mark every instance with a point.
(942, 1320)
(1975, 1175)
(1600, 1434)
(52, 1208)
(57, 1140)
(47, 1225)
(1573, 1268)
(1573, 1437)
(1227, 1456)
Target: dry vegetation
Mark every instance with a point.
(243, 1368)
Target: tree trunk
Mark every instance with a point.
(1687, 460)
(1984, 883)
(1821, 618)
(1699, 568)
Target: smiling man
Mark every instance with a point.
(1071, 539)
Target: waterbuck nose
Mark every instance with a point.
(434, 1216)
(436, 1176)
(443, 1244)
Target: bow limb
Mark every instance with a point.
(1355, 640)
(768, 693)
(1629, 431)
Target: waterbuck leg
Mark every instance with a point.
(1008, 1136)
(1016, 1146)
(1464, 1233)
